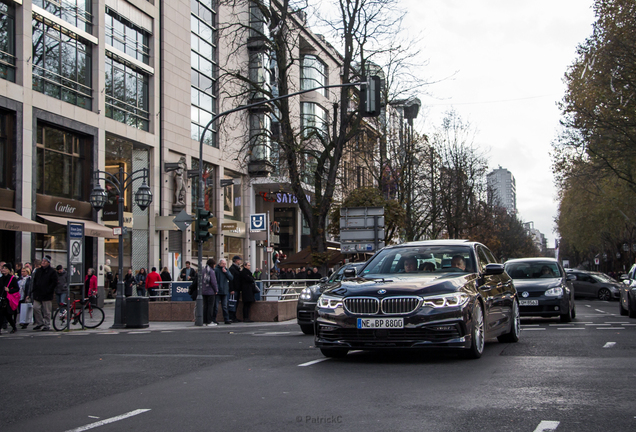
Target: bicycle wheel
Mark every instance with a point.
(59, 319)
(93, 317)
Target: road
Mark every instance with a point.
(268, 377)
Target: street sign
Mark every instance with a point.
(361, 222)
(359, 247)
(270, 249)
(183, 220)
(361, 234)
(258, 222)
(75, 247)
(597, 261)
(117, 231)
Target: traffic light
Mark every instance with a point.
(203, 225)
(370, 97)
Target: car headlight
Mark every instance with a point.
(305, 294)
(329, 302)
(554, 292)
(446, 300)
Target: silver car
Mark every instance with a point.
(595, 285)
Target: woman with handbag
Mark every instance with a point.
(140, 281)
(9, 295)
(248, 288)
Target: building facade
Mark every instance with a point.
(502, 189)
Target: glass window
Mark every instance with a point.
(232, 208)
(127, 37)
(127, 99)
(61, 64)
(7, 41)
(203, 75)
(313, 74)
(63, 163)
(260, 137)
(421, 260)
(533, 269)
(313, 120)
(6, 150)
(75, 12)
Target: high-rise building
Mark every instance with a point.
(502, 190)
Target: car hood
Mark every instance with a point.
(400, 285)
(536, 284)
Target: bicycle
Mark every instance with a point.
(92, 317)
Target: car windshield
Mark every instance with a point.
(533, 270)
(421, 260)
(600, 277)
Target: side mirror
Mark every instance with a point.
(570, 278)
(627, 282)
(323, 279)
(494, 269)
(350, 273)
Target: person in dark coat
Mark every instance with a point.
(223, 279)
(44, 283)
(8, 285)
(165, 277)
(140, 281)
(209, 291)
(247, 282)
(129, 281)
(61, 288)
(235, 284)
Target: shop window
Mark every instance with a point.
(63, 163)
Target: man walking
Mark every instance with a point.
(223, 280)
(235, 284)
(187, 273)
(44, 284)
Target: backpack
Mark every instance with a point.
(206, 277)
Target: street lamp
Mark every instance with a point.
(143, 198)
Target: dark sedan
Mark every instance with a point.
(544, 288)
(627, 300)
(594, 285)
(432, 294)
(306, 308)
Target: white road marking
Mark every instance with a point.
(530, 329)
(530, 325)
(138, 332)
(601, 311)
(546, 426)
(598, 324)
(93, 417)
(610, 328)
(109, 420)
(313, 362)
(609, 345)
(616, 322)
(570, 328)
(588, 306)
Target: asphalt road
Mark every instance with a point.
(575, 377)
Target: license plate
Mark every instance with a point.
(380, 323)
(528, 302)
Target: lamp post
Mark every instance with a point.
(143, 198)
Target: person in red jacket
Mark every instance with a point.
(90, 283)
(151, 282)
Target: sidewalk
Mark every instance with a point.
(109, 317)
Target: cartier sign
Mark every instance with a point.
(57, 206)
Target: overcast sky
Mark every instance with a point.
(510, 57)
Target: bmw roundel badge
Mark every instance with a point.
(382, 291)
(525, 294)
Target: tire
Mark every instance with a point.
(308, 329)
(515, 326)
(566, 317)
(94, 318)
(621, 309)
(334, 352)
(477, 339)
(574, 311)
(59, 319)
(604, 294)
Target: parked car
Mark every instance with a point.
(431, 294)
(594, 285)
(306, 308)
(544, 288)
(627, 296)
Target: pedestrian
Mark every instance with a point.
(108, 280)
(235, 284)
(26, 307)
(129, 281)
(188, 273)
(166, 278)
(317, 275)
(61, 287)
(151, 282)
(140, 281)
(90, 284)
(210, 289)
(44, 283)
(248, 285)
(9, 295)
(223, 279)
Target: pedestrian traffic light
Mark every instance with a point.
(370, 97)
(203, 225)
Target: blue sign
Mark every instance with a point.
(180, 291)
(258, 222)
(76, 230)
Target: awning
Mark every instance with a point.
(91, 229)
(12, 221)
